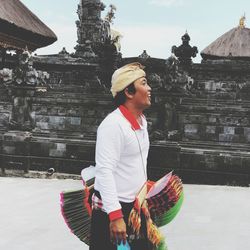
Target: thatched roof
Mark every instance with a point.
(19, 27)
(234, 44)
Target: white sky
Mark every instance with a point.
(154, 25)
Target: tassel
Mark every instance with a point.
(134, 221)
(154, 234)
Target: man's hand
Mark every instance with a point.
(118, 232)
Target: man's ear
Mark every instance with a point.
(128, 94)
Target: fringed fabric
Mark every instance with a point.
(159, 209)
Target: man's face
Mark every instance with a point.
(142, 96)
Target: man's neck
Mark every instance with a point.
(134, 111)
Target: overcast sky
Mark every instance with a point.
(154, 25)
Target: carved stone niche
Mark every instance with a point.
(21, 118)
(23, 83)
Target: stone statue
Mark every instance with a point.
(144, 55)
(22, 83)
(85, 51)
(172, 70)
(63, 52)
(177, 78)
(6, 76)
(21, 118)
(184, 52)
(156, 82)
(26, 75)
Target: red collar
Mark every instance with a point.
(127, 114)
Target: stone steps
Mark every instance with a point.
(62, 135)
(213, 102)
(232, 148)
(221, 89)
(72, 98)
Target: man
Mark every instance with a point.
(121, 158)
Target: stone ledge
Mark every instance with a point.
(38, 175)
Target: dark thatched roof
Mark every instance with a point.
(234, 44)
(19, 27)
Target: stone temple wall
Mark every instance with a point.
(215, 122)
(198, 125)
(220, 110)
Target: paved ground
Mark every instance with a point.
(212, 217)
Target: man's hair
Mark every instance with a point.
(120, 97)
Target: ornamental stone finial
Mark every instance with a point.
(184, 52)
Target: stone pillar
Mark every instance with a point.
(21, 118)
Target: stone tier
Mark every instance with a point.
(70, 113)
(215, 163)
(42, 153)
(194, 162)
(222, 121)
(202, 135)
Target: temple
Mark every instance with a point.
(51, 106)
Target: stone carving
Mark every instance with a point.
(63, 52)
(177, 78)
(184, 52)
(144, 55)
(89, 24)
(6, 76)
(97, 42)
(172, 71)
(175, 81)
(243, 90)
(88, 53)
(105, 31)
(85, 51)
(164, 127)
(22, 84)
(21, 118)
(24, 74)
(156, 82)
(108, 48)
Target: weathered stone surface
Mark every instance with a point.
(199, 122)
(206, 127)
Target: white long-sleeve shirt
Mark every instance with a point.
(120, 160)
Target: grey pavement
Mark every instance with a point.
(211, 218)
